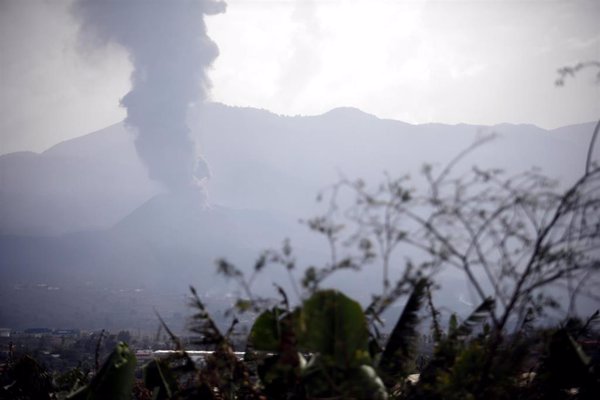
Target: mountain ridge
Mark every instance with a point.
(94, 180)
(84, 217)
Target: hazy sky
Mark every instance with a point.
(473, 61)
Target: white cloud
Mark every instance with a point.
(419, 61)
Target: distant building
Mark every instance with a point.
(37, 332)
(4, 332)
(67, 332)
(144, 355)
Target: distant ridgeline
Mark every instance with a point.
(84, 219)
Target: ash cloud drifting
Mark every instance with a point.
(170, 52)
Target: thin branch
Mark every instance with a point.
(588, 161)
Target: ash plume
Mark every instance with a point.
(170, 52)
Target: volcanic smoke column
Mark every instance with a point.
(170, 51)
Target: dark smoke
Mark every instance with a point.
(170, 51)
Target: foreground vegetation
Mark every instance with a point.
(323, 349)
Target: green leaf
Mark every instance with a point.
(476, 318)
(267, 331)
(159, 378)
(333, 325)
(400, 347)
(565, 366)
(115, 378)
(364, 383)
(452, 324)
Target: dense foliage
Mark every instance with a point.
(323, 349)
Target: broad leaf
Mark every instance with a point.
(114, 380)
(267, 331)
(476, 318)
(160, 379)
(401, 345)
(333, 325)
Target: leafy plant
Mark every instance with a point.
(401, 346)
(114, 380)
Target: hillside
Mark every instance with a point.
(82, 220)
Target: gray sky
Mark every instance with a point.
(474, 61)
